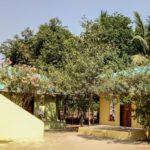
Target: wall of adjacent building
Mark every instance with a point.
(49, 103)
(105, 110)
(50, 113)
(17, 123)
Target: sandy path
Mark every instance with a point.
(72, 141)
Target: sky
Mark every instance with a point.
(16, 15)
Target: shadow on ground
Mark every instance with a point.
(62, 130)
(114, 141)
(4, 142)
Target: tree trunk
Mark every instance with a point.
(72, 117)
(89, 109)
(93, 122)
(65, 108)
(89, 117)
(81, 119)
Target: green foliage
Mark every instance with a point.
(19, 49)
(111, 29)
(140, 28)
(148, 31)
(142, 42)
(85, 68)
(47, 47)
(53, 60)
(133, 87)
(138, 60)
(52, 42)
(142, 36)
(142, 110)
(25, 79)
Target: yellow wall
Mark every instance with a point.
(16, 123)
(104, 114)
(49, 103)
(137, 134)
(50, 114)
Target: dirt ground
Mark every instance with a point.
(63, 140)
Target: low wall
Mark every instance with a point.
(120, 134)
(16, 123)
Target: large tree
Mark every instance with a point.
(84, 68)
(19, 49)
(52, 43)
(141, 41)
(47, 47)
(101, 49)
(111, 29)
(142, 34)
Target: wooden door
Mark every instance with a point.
(125, 115)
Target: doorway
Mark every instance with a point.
(30, 107)
(125, 115)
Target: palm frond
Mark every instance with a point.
(103, 16)
(148, 31)
(141, 41)
(139, 59)
(140, 29)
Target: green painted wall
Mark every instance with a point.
(49, 107)
(50, 115)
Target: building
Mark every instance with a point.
(116, 118)
(38, 114)
(116, 112)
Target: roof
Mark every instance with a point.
(2, 87)
(128, 73)
(134, 71)
(12, 72)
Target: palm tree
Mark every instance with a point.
(142, 33)
(142, 40)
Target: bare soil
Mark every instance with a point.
(64, 140)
